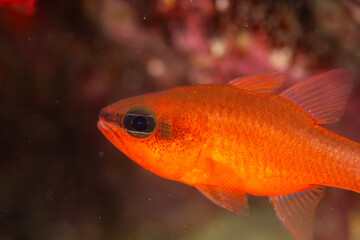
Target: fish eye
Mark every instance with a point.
(139, 122)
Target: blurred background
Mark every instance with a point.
(61, 61)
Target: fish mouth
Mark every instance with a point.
(102, 126)
(106, 125)
(107, 129)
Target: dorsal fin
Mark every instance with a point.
(262, 83)
(322, 96)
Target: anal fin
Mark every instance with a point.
(296, 211)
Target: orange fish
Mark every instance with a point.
(230, 140)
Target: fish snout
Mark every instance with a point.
(109, 117)
(104, 115)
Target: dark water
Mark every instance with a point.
(61, 179)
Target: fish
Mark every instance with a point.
(243, 138)
(25, 6)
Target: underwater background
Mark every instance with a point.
(61, 63)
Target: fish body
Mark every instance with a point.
(229, 140)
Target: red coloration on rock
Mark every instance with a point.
(26, 6)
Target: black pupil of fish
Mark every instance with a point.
(140, 123)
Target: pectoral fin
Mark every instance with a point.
(229, 199)
(227, 190)
(296, 211)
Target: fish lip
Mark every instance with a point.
(102, 126)
(105, 118)
(107, 124)
(107, 130)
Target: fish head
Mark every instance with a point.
(154, 131)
